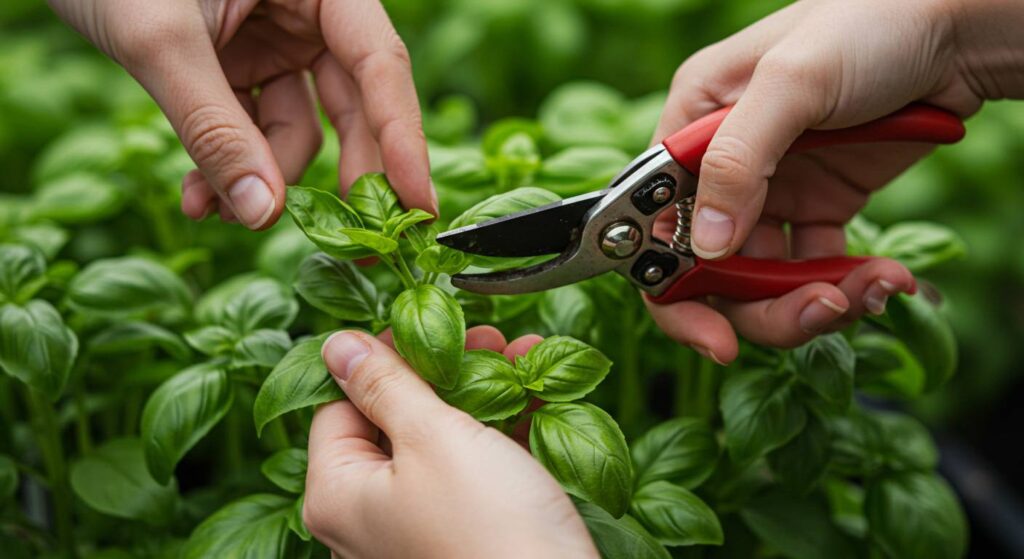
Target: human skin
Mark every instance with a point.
(821, 64)
(233, 78)
(394, 471)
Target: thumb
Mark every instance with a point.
(772, 112)
(180, 69)
(382, 385)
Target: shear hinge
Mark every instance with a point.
(684, 225)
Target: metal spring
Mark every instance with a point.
(684, 221)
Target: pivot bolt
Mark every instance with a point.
(662, 194)
(621, 240)
(653, 274)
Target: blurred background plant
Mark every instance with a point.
(92, 170)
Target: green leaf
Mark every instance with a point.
(868, 444)
(516, 160)
(760, 413)
(321, 216)
(287, 469)
(915, 516)
(568, 311)
(44, 237)
(488, 387)
(569, 368)
(583, 448)
(301, 379)
(376, 242)
(136, 336)
(249, 528)
(180, 412)
(584, 114)
(861, 235)
(261, 348)
(919, 245)
(507, 203)
(430, 333)
(78, 198)
(928, 335)
(619, 537)
(460, 167)
(127, 285)
(339, 289)
(827, 364)
(114, 480)
(675, 516)
(885, 364)
(210, 309)
(21, 271)
(8, 478)
(796, 527)
(262, 304)
(372, 197)
(800, 463)
(94, 148)
(578, 170)
(683, 451)
(295, 522)
(212, 340)
(397, 225)
(439, 259)
(284, 250)
(36, 347)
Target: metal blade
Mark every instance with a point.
(548, 229)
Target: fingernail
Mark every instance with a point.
(252, 201)
(876, 295)
(818, 314)
(707, 353)
(342, 352)
(712, 232)
(433, 199)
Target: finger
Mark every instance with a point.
(485, 337)
(790, 320)
(817, 240)
(360, 153)
(341, 435)
(521, 345)
(782, 100)
(198, 200)
(382, 385)
(189, 85)
(870, 285)
(360, 35)
(697, 325)
(768, 239)
(288, 117)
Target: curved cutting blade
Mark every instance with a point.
(548, 229)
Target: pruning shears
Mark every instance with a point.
(611, 229)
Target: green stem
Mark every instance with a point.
(406, 283)
(695, 385)
(82, 421)
(233, 450)
(406, 271)
(166, 236)
(276, 435)
(631, 399)
(47, 435)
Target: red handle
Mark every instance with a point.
(750, 279)
(913, 123)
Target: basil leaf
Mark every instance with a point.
(675, 516)
(619, 537)
(94, 148)
(295, 523)
(760, 413)
(507, 203)
(212, 340)
(515, 161)
(127, 285)
(262, 304)
(8, 478)
(21, 272)
(583, 114)
(287, 469)
(44, 237)
(452, 120)
(886, 365)
(799, 528)
(254, 526)
(439, 259)
(578, 170)
(430, 333)
(78, 198)
(301, 379)
(339, 289)
(397, 225)
(826, 364)
(563, 369)
(210, 309)
(928, 335)
(281, 254)
(372, 197)
(868, 444)
(114, 480)
(861, 235)
(846, 501)
(683, 451)
(458, 167)
(376, 242)
(321, 216)
(36, 347)
(583, 448)
(261, 348)
(180, 412)
(919, 245)
(915, 515)
(488, 387)
(801, 463)
(567, 310)
(136, 336)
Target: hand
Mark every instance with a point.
(204, 60)
(821, 64)
(396, 472)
